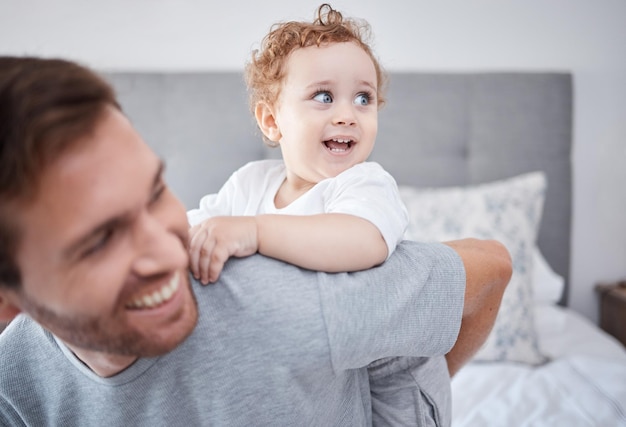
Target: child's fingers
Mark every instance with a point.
(205, 260)
(195, 247)
(219, 256)
(193, 231)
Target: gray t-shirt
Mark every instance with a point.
(275, 345)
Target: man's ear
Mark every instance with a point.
(7, 309)
(266, 120)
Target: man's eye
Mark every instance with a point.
(363, 99)
(100, 243)
(323, 97)
(158, 192)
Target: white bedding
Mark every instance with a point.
(584, 383)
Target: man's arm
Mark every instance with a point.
(488, 269)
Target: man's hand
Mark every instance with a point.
(215, 240)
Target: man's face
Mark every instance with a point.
(102, 251)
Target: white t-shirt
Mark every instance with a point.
(365, 190)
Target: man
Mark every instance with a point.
(93, 252)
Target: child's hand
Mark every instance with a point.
(216, 239)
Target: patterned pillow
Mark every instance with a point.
(509, 211)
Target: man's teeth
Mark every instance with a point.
(157, 297)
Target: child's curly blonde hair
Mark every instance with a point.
(266, 70)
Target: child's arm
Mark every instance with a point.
(330, 242)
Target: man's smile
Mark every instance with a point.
(157, 297)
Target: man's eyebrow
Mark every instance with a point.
(111, 223)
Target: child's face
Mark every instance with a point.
(327, 113)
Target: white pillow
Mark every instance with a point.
(547, 285)
(509, 211)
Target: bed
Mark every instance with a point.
(483, 154)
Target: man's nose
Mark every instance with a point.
(158, 248)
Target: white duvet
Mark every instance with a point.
(584, 384)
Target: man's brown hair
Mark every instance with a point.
(46, 106)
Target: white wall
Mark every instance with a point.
(585, 37)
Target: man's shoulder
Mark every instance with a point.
(21, 329)
(263, 274)
(21, 343)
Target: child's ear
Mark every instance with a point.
(7, 309)
(267, 121)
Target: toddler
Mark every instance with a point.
(315, 90)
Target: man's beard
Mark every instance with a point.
(112, 335)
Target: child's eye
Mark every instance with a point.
(363, 99)
(323, 97)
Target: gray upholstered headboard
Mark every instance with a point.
(437, 129)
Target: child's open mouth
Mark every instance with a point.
(338, 145)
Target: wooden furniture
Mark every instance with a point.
(613, 309)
